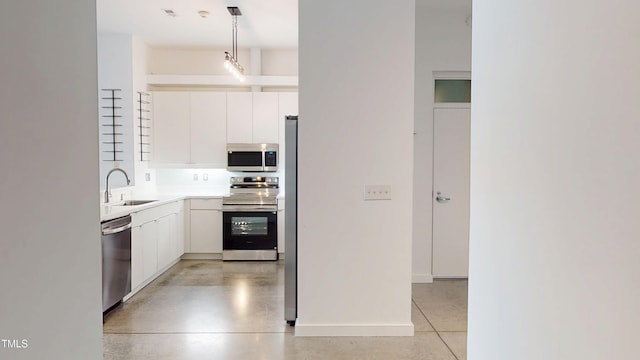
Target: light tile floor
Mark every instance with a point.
(235, 310)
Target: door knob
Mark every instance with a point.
(440, 198)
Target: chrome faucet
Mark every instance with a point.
(106, 186)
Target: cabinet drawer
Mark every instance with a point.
(155, 213)
(206, 204)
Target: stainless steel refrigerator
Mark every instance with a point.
(291, 220)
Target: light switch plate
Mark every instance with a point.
(377, 192)
(195, 177)
(205, 177)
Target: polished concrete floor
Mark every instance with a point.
(234, 310)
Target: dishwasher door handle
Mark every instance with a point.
(109, 231)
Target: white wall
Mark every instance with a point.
(139, 61)
(122, 64)
(115, 71)
(443, 43)
(555, 175)
(280, 62)
(355, 256)
(50, 276)
(181, 61)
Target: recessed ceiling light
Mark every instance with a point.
(203, 14)
(169, 12)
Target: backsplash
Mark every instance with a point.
(214, 180)
(183, 181)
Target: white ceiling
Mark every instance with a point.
(263, 23)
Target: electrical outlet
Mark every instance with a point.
(377, 192)
(147, 176)
(205, 177)
(195, 177)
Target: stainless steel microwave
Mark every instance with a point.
(252, 157)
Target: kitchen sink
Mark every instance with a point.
(133, 202)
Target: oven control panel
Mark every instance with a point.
(254, 180)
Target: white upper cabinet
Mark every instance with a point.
(252, 117)
(193, 128)
(287, 104)
(189, 128)
(240, 117)
(208, 128)
(265, 118)
(170, 125)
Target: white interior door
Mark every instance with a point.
(451, 191)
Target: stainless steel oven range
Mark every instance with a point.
(250, 219)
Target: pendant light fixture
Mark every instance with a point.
(231, 59)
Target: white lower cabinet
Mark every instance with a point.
(157, 240)
(180, 230)
(149, 249)
(166, 240)
(206, 226)
(137, 257)
(144, 252)
(206, 231)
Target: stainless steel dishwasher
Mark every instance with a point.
(116, 261)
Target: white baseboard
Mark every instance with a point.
(422, 278)
(212, 256)
(149, 280)
(202, 256)
(320, 330)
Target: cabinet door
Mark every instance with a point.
(209, 128)
(239, 117)
(137, 257)
(166, 240)
(187, 226)
(287, 105)
(179, 251)
(265, 118)
(149, 248)
(170, 128)
(206, 231)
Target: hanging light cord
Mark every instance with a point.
(234, 36)
(231, 60)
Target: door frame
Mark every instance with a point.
(442, 75)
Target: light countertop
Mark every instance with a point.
(114, 210)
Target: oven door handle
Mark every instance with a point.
(249, 208)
